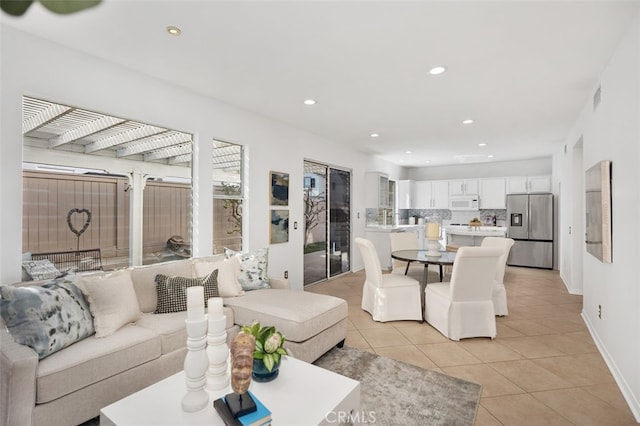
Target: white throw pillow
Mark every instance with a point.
(253, 268)
(112, 300)
(228, 271)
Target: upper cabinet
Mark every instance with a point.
(463, 187)
(377, 190)
(406, 190)
(528, 184)
(493, 193)
(431, 194)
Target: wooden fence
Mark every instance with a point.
(49, 197)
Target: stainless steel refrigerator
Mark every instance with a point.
(530, 225)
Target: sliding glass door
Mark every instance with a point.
(327, 207)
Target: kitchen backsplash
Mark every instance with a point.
(375, 217)
(448, 216)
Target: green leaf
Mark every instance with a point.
(276, 357)
(265, 333)
(15, 7)
(258, 355)
(65, 7)
(259, 346)
(282, 351)
(269, 362)
(255, 329)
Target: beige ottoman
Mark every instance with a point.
(312, 323)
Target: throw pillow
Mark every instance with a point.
(112, 300)
(46, 318)
(253, 269)
(228, 271)
(40, 269)
(172, 291)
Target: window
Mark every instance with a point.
(227, 196)
(85, 171)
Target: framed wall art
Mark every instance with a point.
(279, 188)
(279, 229)
(597, 184)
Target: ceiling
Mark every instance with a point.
(523, 71)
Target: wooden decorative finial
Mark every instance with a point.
(242, 349)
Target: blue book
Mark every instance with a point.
(260, 417)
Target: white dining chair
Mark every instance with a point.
(387, 297)
(499, 291)
(463, 307)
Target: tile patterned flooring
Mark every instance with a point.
(542, 369)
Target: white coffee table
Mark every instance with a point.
(302, 394)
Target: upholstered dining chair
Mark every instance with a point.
(387, 297)
(463, 307)
(405, 241)
(499, 291)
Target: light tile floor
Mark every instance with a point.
(543, 368)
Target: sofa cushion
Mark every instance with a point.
(46, 318)
(112, 300)
(228, 271)
(172, 291)
(144, 280)
(92, 360)
(298, 315)
(171, 328)
(253, 268)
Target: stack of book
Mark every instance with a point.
(260, 417)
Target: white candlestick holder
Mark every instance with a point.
(218, 375)
(195, 365)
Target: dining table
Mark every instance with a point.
(445, 258)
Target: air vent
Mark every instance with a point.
(597, 98)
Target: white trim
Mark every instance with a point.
(625, 389)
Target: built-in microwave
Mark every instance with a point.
(464, 202)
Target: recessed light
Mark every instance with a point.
(427, 162)
(482, 144)
(467, 121)
(437, 70)
(490, 156)
(374, 135)
(175, 31)
(310, 102)
(408, 152)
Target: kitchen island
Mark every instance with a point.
(462, 235)
(379, 236)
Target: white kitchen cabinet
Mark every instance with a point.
(376, 190)
(493, 193)
(406, 193)
(463, 187)
(528, 184)
(432, 194)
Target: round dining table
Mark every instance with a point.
(445, 258)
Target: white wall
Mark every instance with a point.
(35, 67)
(532, 167)
(611, 132)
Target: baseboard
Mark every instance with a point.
(627, 393)
(569, 289)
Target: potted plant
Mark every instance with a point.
(268, 351)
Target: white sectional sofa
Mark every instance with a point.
(71, 385)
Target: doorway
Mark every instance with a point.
(327, 208)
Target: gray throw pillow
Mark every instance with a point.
(46, 318)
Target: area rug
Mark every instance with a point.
(396, 393)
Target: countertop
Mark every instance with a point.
(391, 228)
(484, 231)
